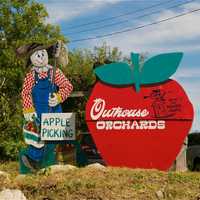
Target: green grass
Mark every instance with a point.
(109, 183)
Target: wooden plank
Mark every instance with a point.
(79, 94)
(181, 164)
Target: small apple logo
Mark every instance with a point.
(142, 126)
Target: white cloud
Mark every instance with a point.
(190, 6)
(181, 34)
(67, 10)
(186, 72)
(178, 34)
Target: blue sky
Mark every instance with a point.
(180, 34)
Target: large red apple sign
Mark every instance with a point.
(142, 126)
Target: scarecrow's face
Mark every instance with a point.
(39, 58)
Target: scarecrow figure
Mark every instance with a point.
(45, 88)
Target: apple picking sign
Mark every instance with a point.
(58, 126)
(138, 117)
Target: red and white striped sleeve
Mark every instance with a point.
(27, 101)
(65, 87)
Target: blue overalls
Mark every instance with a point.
(40, 95)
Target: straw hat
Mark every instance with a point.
(27, 50)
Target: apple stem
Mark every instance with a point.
(136, 72)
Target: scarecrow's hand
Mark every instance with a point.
(30, 116)
(53, 100)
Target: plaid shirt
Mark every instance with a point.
(65, 87)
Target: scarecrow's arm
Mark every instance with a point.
(65, 87)
(27, 93)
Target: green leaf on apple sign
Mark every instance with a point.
(119, 73)
(159, 68)
(155, 70)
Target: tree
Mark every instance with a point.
(82, 61)
(80, 72)
(21, 22)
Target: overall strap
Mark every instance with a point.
(36, 78)
(36, 75)
(49, 74)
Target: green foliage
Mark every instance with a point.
(80, 69)
(21, 22)
(82, 61)
(80, 72)
(194, 139)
